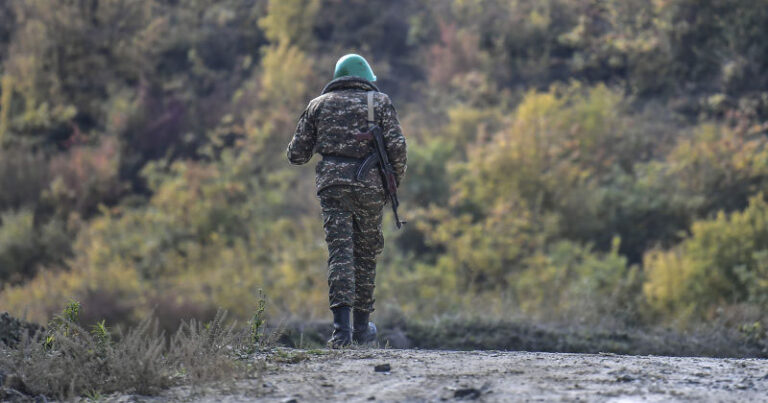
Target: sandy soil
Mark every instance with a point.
(489, 376)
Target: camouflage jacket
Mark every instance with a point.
(328, 127)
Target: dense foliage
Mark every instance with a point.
(578, 159)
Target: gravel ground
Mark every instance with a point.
(487, 376)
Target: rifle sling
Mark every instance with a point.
(369, 161)
(371, 111)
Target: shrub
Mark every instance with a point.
(723, 262)
(26, 174)
(718, 168)
(115, 288)
(13, 330)
(70, 361)
(19, 247)
(24, 246)
(85, 177)
(570, 281)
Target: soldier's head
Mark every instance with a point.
(354, 65)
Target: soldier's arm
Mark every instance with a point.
(394, 139)
(302, 146)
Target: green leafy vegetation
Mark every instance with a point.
(604, 163)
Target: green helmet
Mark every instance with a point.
(354, 65)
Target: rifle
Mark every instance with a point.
(379, 155)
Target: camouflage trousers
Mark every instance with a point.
(352, 222)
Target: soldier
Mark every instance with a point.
(352, 201)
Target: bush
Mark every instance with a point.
(24, 247)
(26, 174)
(84, 178)
(41, 297)
(569, 281)
(718, 168)
(540, 132)
(18, 245)
(13, 330)
(723, 262)
(69, 361)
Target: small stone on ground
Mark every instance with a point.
(382, 368)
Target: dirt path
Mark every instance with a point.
(493, 376)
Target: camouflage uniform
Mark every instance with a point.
(352, 209)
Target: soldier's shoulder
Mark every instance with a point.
(383, 98)
(385, 105)
(332, 97)
(316, 103)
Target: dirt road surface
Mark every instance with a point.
(490, 376)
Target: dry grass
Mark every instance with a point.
(68, 360)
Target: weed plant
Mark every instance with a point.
(68, 360)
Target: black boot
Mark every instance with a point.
(342, 332)
(365, 331)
